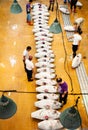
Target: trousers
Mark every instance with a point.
(74, 49)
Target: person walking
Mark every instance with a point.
(62, 88)
(26, 55)
(51, 5)
(29, 68)
(28, 12)
(78, 28)
(73, 5)
(76, 42)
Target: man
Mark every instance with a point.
(73, 5)
(26, 55)
(29, 68)
(62, 88)
(78, 28)
(76, 42)
(28, 10)
(28, 7)
(51, 4)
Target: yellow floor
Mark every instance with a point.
(15, 35)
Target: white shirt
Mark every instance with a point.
(26, 54)
(77, 38)
(29, 64)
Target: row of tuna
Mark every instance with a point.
(47, 103)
